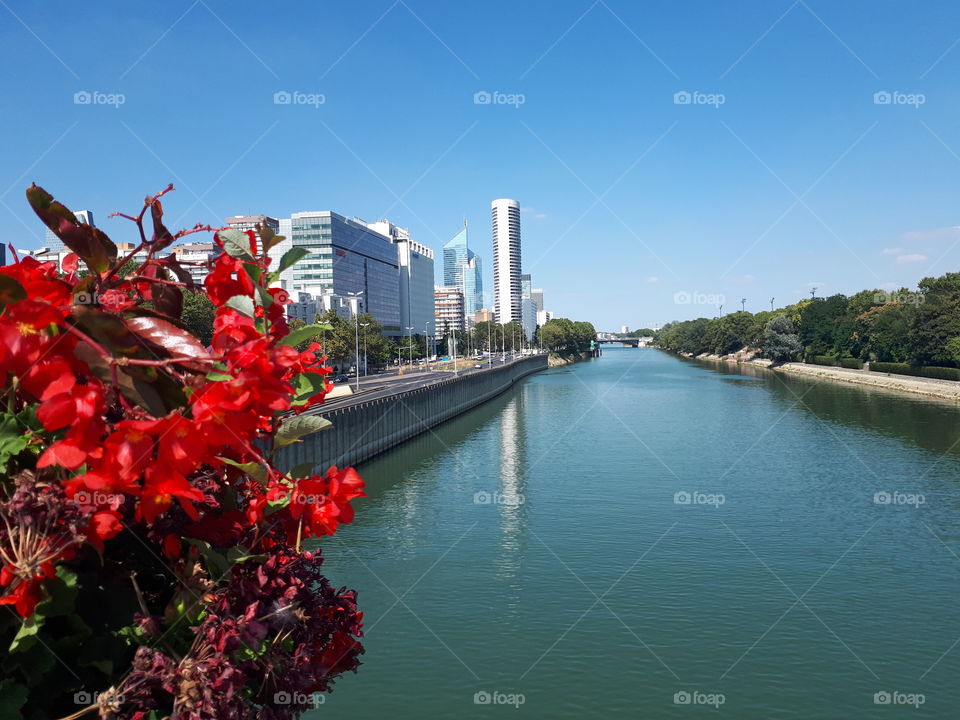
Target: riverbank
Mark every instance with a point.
(368, 425)
(928, 387)
(561, 360)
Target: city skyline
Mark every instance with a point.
(705, 158)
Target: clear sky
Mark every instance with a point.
(782, 172)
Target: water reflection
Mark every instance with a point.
(929, 423)
(512, 492)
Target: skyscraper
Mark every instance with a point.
(416, 278)
(462, 269)
(528, 306)
(507, 294)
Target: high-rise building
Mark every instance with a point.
(55, 244)
(195, 258)
(346, 258)
(448, 304)
(507, 296)
(415, 262)
(528, 306)
(462, 268)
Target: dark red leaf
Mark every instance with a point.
(90, 243)
(177, 342)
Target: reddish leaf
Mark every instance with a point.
(161, 236)
(91, 244)
(177, 342)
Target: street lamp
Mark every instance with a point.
(364, 326)
(357, 347)
(410, 342)
(426, 343)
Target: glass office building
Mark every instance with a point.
(462, 269)
(347, 257)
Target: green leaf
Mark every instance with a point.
(26, 636)
(13, 438)
(266, 299)
(13, 696)
(302, 470)
(295, 337)
(215, 559)
(291, 257)
(294, 428)
(236, 243)
(10, 291)
(218, 376)
(242, 304)
(253, 469)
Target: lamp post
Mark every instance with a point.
(454, 331)
(489, 347)
(410, 343)
(364, 325)
(357, 347)
(426, 344)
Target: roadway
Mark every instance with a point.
(391, 382)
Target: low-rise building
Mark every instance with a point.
(448, 312)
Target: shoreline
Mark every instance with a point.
(927, 387)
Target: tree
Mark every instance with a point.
(935, 321)
(197, 314)
(780, 341)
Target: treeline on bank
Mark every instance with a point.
(912, 332)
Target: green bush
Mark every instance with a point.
(938, 373)
(852, 363)
(828, 360)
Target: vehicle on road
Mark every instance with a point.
(478, 365)
(341, 379)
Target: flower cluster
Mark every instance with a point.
(121, 427)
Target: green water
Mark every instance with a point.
(599, 595)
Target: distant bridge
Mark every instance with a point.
(625, 342)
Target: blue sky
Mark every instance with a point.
(797, 178)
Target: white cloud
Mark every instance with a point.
(911, 258)
(892, 251)
(653, 279)
(532, 212)
(945, 234)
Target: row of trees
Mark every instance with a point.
(920, 327)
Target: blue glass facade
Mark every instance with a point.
(347, 257)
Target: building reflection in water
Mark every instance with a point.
(511, 498)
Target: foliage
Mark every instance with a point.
(938, 373)
(566, 337)
(920, 328)
(851, 363)
(150, 546)
(197, 315)
(780, 341)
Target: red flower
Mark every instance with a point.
(324, 502)
(162, 486)
(26, 590)
(228, 278)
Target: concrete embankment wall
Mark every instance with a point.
(365, 429)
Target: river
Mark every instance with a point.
(642, 535)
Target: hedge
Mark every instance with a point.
(822, 360)
(852, 363)
(938, 373)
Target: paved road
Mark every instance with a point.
(390, 383)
